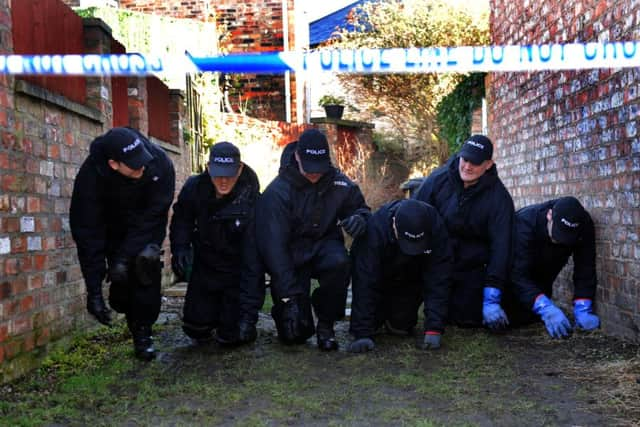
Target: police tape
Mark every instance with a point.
(509, 58)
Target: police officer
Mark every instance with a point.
(119, 212)
(478, 211)
(213, 219)
(402, 260)
(299, 239)
(546, 235)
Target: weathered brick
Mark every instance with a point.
(43, 336)
(4, 332)
(26, 303)
(12, 348)
(35, 281)
(586, 127)
(20, 325)
(40, 262)
(11, 266)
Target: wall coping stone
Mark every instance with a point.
(166, 145)
(342, 122)
(35, 91)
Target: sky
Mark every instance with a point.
(318, 8)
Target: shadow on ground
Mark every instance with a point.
(522, 378)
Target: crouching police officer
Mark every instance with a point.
(402, 260)
(212, 235)
(478, 212)
(119, 211)
(299, 238)
(546, 235)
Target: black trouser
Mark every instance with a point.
(399, 304)
(330, 265)
(139, 303)
(516, 312)
(466, 297)
(212, 302)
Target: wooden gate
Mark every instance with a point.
(196, 128)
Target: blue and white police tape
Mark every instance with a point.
(128, 64)
(395, 60)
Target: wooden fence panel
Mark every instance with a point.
(49, 27)
(158, 108)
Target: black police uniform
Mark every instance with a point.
(299, 239)
(479, 221)
(221, 233)
(537, 261)
(390, 286)
(113, 218)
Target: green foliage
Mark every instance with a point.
(409, 100)
(330, 100)
(454, 112)
(389, 143)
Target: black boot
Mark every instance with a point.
(142, 341)
(325, 336)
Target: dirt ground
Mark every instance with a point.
(521, 378)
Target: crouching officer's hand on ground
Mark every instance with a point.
(118, 271)
(95, 304)
(247, 331)
(293, 318)
(148, 264)
(585, 319)
(493, 316)
(431, 340)
(361, 345)
(354, 225)
(554, 319)
(181, 262)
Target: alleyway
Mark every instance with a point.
(522, 378)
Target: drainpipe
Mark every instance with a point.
(287, 74)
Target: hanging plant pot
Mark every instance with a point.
(334, 111)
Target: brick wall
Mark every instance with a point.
(576, 133)
(44, 138)
(253, 26)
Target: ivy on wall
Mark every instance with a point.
(455, 111)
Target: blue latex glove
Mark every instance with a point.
(431, 341)
(554, 319)
(493, 316)
(585, 319)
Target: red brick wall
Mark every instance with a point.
(576, 133)
(43, 141)
(254, 26)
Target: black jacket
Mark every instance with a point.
(221, 231)
(377, 259)
(115, 217)
(537, 261)
(295, 214)
(479, 220)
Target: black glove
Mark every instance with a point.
(148, 264)
(96, 306)
(118, 271)
(361, 345)
(181, 262)
(247, 331)
(355, 225)
(294, 320)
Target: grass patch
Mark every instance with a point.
(475, 379)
